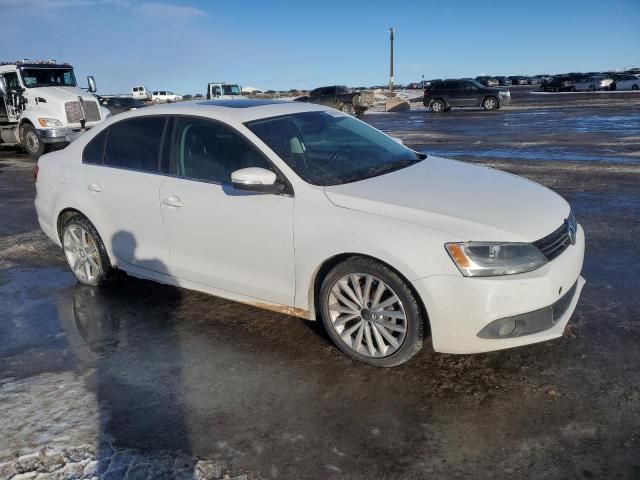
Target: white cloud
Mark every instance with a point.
(156, 9)
(150, 9)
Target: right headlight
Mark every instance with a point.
(487, 259)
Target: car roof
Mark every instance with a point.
(241, 110)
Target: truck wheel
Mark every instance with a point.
(31, 142)
(490, 103)
(347, 108)
(437, 106)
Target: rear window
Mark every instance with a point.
(135, 144)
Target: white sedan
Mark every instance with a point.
(301, 209)
(593, 83)
(628, 82)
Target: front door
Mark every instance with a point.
(228, 239)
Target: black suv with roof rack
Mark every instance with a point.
(441, 96)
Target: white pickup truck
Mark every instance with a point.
(41, 105)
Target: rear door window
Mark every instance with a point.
(135, 144)
(451, 85)
(94, 150)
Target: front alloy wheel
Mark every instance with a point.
(82, 253)
(370, 313)
(367, 314)
(490, 103)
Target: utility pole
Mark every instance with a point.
(391, 32)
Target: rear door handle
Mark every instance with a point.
(172, 201)
(94, 187)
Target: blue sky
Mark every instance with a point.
(181, 45)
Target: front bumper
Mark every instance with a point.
(505, 99)
(459, 308)
(59, 135)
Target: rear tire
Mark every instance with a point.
(438, 106)
(31, 142)
(490, 103)
(385, 336)
(85, 252)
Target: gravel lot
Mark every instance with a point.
(140, 380)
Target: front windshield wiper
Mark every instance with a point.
(392, 167)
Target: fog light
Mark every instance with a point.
(507, 328)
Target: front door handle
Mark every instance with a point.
(172, 201)
(94, 187)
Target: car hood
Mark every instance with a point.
(471, 202)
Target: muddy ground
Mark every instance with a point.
(156, 377)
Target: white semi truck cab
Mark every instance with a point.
(224, 91)
(42, 107)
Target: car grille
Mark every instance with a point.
(557, 241)
(74, 112)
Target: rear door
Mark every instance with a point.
(121, 176)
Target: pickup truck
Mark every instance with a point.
(341, 98)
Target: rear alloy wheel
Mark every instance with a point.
(490, 103)
(85, 252)
(370, 313)
(438, 106)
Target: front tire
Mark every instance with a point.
(490, 103)
(31, 142)
(347, 108)
(370, 313)
(85, 252)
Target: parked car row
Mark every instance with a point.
(572, 82)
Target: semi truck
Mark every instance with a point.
(42, 107)
(224, 91)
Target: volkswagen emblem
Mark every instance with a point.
(571, 229)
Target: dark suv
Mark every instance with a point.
(441, 96)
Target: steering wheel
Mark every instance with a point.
(341, 150)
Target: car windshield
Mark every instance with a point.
(476, 83)
(327, 148)
(48, 77)
(231, 89)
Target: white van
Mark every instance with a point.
(141, 93)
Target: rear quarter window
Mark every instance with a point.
(93, 152)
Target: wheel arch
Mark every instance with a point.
(65, 214)
(323, 269)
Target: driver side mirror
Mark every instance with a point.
(92, 84)
(255, 179)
